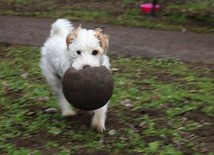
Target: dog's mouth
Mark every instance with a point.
(86, 66)
(79, 66)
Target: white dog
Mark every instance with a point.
(68, 46)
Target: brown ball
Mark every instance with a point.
(89, 88)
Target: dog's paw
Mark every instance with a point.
(100, 127)
(68, 113)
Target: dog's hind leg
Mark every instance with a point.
(56, 84)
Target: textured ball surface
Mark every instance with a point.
(89, 88)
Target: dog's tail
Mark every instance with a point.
(61, 27)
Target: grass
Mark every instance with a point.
(171, 107)
(194, 15)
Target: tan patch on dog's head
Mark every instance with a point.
(71, 36)
(103, 38)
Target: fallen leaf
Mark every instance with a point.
(5, 88)
(43, 99)
(127, 103)
(51, 110)
(24, 75)
(115, 69)
(112, 132)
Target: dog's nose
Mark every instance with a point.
(86, 66)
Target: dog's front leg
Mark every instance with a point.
(67, 110)
(99, 118)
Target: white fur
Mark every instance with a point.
(57, 57)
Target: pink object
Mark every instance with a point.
(147, 8)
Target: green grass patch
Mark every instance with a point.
(169, 102)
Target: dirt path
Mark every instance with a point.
(127, 41)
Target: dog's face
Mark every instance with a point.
(87, 47)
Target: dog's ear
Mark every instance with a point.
(71, 36)
(69, 39)
(103, 38)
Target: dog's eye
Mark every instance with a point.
(79, 52)
(94, 52)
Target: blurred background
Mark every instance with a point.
(196, 15)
